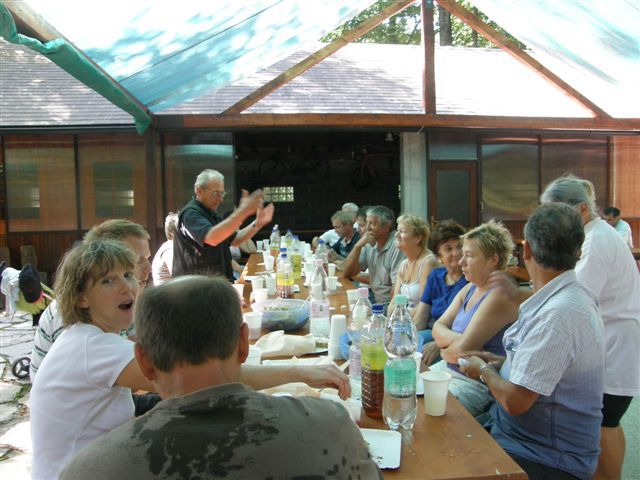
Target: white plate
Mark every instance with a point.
(384, 446)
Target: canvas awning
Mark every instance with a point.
(149, 55)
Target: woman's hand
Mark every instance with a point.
(430, 353)
(323, 376)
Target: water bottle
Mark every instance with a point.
(359, 315)
(288, 238)
(319, 324)
(284, 276)
(296, 259)
(373, 361)
(274, 241)
(322, 253)
(399, 406)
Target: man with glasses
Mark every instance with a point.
(202, 238)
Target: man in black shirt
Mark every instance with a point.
(202, 239)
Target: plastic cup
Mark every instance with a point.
(271, 284)
(332, 269)
(417, 356)
(337, 329)
(254, 321)
(332, 281)
(308, 269)
(254, 357)
(352, 297)
(260, 295)
(436, 389)
(240, 291)
(259, 245)
(268, 261)
(257, 282)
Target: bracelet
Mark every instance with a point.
(485, 366)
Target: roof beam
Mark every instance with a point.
(429, 72)
(507, 45)
(631, 125)
(316, 57)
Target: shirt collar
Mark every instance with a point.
(550, 289)
(390, 240)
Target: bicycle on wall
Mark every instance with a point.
(363, 174)
(281, 166)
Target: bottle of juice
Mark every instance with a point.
(373, 360)
(296, 260)
(284, 276)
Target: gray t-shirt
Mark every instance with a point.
(383, 265)
(233, 432)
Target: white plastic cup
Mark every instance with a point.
(265, 244)
(308, 269)
(352, 297)
(268, 261)
(436, 389)
(338, 328)
(254, 357)
(240, 291)
(417, 356)
(254, 321)
(271, 285)
(332, 269)
(260, 295)
(257, 282)
(259, 245)
(332, 281)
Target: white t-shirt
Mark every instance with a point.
(73, 400)
(624, 230)
(609, 270)
(330, 237)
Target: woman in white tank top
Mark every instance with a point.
(411, 238)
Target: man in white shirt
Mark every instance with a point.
(612, 217)
(606, 267)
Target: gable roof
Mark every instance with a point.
(375, 78)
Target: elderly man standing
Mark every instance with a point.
(202, 239)
(609, 270)
(376, 250)
(549, 387)
(208, 424)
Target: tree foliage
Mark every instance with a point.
(406, 27)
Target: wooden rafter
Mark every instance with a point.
(507, 45)
(397, 120)
(316, 57)
(428, 43)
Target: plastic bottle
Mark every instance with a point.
(296, 259)
(323, 253)
(359, 315)
(399, 406)
(274, 241)
(319, 323)
(288, 238)
(284, 276)
(373, 361)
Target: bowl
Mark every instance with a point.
(283, 314)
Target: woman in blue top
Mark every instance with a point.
(478, 316)
(443, 283)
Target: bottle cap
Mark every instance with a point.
(363, 292)
(401, 300)
(378, 308)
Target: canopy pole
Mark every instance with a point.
(507, 45)
(316, 57)
(429, 72)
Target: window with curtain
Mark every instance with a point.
(41, 185)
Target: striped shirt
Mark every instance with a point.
(49, 328)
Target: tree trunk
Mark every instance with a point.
(444, 19)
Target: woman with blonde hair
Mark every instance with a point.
(83, 388)
(412, 236)
(478, 315)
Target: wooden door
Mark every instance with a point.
(453, 191)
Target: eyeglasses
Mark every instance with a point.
(218, 193)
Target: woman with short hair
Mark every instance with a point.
(478, 315)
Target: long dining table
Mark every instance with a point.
(453, 446)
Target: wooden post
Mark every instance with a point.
(150, 174)
(429, 72)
